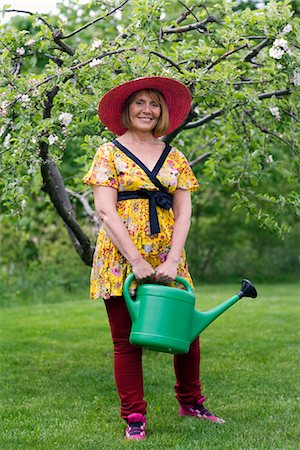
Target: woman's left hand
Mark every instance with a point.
(165, 272)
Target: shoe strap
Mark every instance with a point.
(203, 410)
(135, 427)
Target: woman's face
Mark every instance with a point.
(144, 112)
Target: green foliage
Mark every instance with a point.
(227, 63)
(37, 261)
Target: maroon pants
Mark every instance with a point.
(128, 364)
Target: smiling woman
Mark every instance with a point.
(142, 194)
(150, 108)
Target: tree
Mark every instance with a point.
(242, 132)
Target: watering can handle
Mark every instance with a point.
(131, 277)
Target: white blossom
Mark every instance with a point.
(52, 138)
(30, 42)
(97, 44)
(21, 50)
(296, 78)
(33, 140)
(166, 71)
(23, 204)
(65, 118)
(274, 110)
(3, 108)
(25, 98)
(279, 47)
(282, 43)
(162, 16)
(118, 15)
(95, 62)
(269, 159)
(279, 66)
(272, 7)
(286, 29)
(276, 52)
(6, 143)
(2, 130)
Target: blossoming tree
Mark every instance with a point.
(242, 132)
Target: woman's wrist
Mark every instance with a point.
(135, 260)
(174, 259)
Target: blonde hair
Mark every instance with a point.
(163, 121)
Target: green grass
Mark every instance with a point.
(58, 391)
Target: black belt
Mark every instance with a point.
(156, 198)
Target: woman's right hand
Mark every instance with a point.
(143, 271)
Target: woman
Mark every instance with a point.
(142, 195)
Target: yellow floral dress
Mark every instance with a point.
(112, 167)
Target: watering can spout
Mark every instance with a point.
(247, 289)
(201, 320)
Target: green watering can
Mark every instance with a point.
(164, 319)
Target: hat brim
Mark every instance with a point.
(177, 96)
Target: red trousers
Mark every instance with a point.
(128, 365)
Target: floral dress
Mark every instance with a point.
(112, 167)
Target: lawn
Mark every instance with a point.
(57, 386)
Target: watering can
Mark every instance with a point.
(164, 319)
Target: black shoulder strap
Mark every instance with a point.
(151, 174)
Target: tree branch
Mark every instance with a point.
(193, 26)
(291, 115)
(200, 158)
(113, 52)
(58, 35)
(31, 14)
(94, 21)
(219, 112)
(185, 14)
(225, 55)
(265, 130)
(255, 51)
(169, 137)
(54, 186)
(72, 68)
(279, 93)
(165, 58)
(204, 119)
(240, 83)
(89, 211)
(253, 37)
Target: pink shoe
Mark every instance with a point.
(200, 412)
(136, 426)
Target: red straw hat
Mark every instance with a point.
(177, 96)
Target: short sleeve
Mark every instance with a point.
(186, 179)
(103, 171)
